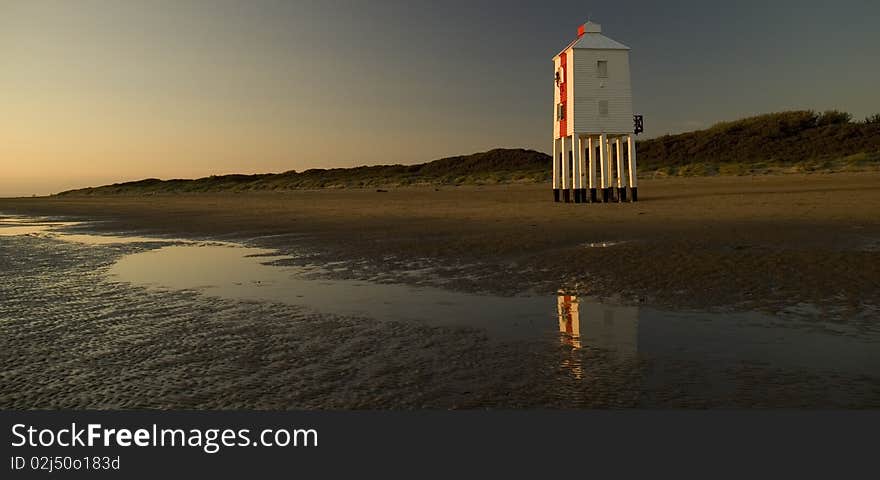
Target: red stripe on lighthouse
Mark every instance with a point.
(563, 96)
(566, 314)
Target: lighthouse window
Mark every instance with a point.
(602, 69)
(560, 112)
(603, 108)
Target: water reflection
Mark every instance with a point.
(12, 226)
(611, 355)
(613, 330)
(243, 273)
(585, 325)
(568, 311)
(712, 344)
(569, 320)
(606, 327)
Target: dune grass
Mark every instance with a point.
(787, 142)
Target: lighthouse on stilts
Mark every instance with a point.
(594, 154)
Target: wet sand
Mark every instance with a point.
(763, 242)
(804, 248)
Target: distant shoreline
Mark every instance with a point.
(777, 143)
(219, 184)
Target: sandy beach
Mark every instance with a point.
(746, 242)
(803, 250)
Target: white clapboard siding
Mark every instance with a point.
(590, 89)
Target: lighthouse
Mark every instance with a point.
(594, 155)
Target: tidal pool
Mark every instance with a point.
(18, 225)
(64, 230)
(243, 273)
(179, 323)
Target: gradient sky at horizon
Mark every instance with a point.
(96, 92)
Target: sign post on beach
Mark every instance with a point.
(592, 108)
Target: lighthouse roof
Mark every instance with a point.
(598, 41)
(590, 37)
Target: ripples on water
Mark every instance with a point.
(123, 321)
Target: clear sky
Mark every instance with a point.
(95, 92)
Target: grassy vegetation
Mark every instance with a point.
(786, 142)
(492, 167)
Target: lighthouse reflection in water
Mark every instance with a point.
(612, 329)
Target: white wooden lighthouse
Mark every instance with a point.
(593, 122)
